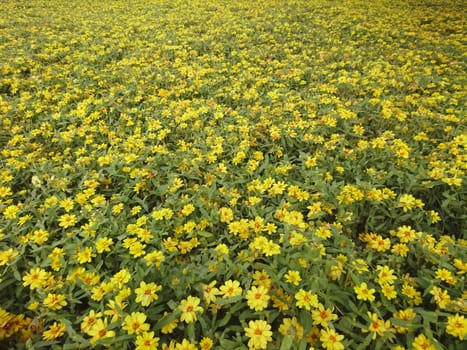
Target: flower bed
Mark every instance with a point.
(232, 175)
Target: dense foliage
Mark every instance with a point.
(233, 174)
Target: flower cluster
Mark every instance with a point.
(232, 174)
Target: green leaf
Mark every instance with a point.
(286, 343)
(166, 320)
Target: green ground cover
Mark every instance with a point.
(233, 174)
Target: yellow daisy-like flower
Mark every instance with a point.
(55, 301)
(99, 331)
(67, 220)
(363, 293)
(291, 327)
(457, 326)
(231, 289)
(257, 298)
(146, 341)
(146, 293)
(322, 316)
(306, 299)
(421, 342)
(189, 307)
(135, 323)
(293, 277)
(260, 334)
(331, 340)
(54, 331)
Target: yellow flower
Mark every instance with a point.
(457, 326)
(55, 301)
(135, 323)
(291, 327)
(441, 297)
(146, 293)
(446, 276)
(389, 291)
(331, 340)
(189, 307)
(323, 316)
(188, 209)
(99, 331)
(363, 293)
(54, 331)
(103, 244)
(7, 255)
(261, 278)
(185, 345)
(422, 343)
(206, 343)
(257, 298)
(146, 341)
(85, 255)
(89, 321)
(385, 275)
(230, 289)
(226, 215)
(377, 326)
(260, 334)
(293, 277)
(210, 292)
(67, 220)
(306, 299)
(11, 211)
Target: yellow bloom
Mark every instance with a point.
(226, 215)
(422, 343)
(210, 292)
(54, 331)
(189, 307)
(169, 327)
(206, 343)
(385, 275)
(306, 299)
(322, 316)
(89, 321)
(457, 326)
(67, 220)
(293, 277)
(185, 345)
(363, 293)
(291, 327)
(146, 341)
(441, 297)
(331, 340)
(260, 334)
(11, 211)
(231, 289)
(146, 293)
(257, 298)
(377, 326)
(55, 301)
(103, 244)
(135, 323)
(99, 331)
(7, 255)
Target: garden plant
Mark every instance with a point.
(237, 174)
